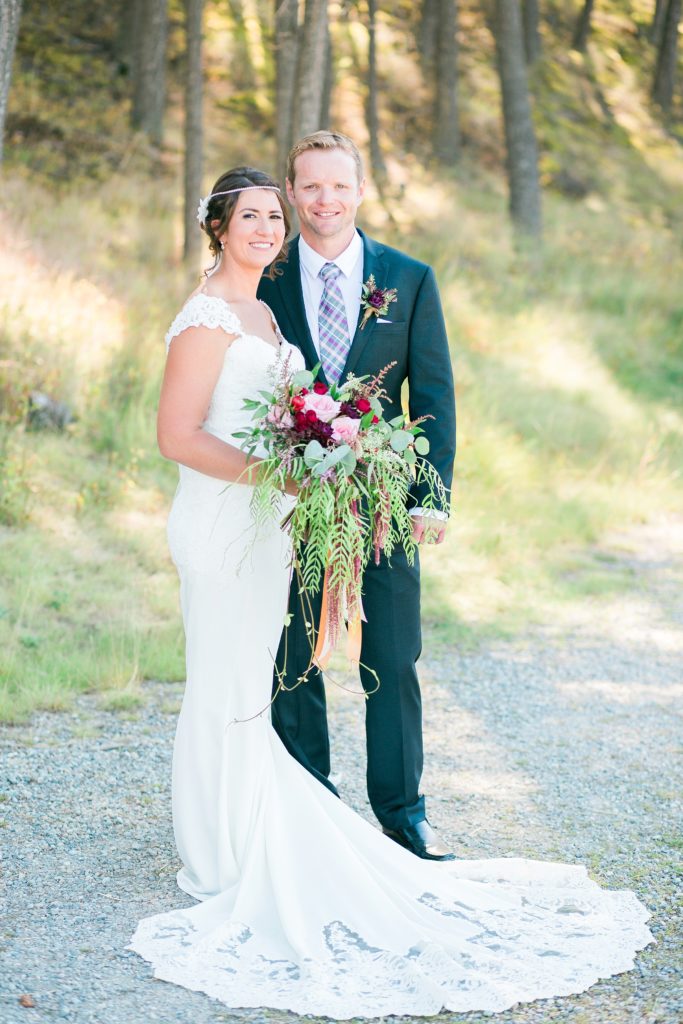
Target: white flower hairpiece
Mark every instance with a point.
(203, 207)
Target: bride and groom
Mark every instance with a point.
(303, 905)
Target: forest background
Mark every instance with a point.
(532, 153)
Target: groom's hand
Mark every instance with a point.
(428, 530)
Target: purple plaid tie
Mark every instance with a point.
(333, 329)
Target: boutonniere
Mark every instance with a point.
(375, 301)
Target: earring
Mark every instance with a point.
(222, 245)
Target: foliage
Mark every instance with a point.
(353, 471)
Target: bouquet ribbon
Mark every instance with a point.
(325, 643)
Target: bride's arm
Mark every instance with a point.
(195, 359)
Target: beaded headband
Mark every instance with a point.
(203, 207)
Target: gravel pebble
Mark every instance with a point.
(563, 745)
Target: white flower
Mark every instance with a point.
(203, 209)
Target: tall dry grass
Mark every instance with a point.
(568, 366)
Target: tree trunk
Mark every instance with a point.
(667, 58)
(149, 78)
(583, 27)
(427, 36)
(657, 25)
(328, 83)
(522, 154)
(127, 34)
(243, 54)
(532, 37)
(371, 113)
(446, 132)
(286, 49)
(10, 15)
(246, 17)
(194, 126)
(310, 69)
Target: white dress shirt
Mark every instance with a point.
(350, 282)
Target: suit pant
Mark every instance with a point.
(391, 646)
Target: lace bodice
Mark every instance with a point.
(247, 364)
(206, 510)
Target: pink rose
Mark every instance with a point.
(323, 406)
(345, 429)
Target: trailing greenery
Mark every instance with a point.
(353, 470)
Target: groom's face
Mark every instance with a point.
(326, 193)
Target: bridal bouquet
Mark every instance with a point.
(354, 471)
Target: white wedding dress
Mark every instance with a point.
(304, 905)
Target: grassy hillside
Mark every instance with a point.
(569, 363)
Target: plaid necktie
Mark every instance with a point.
(333, 330)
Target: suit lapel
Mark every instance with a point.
(295, 311)
(293, 305)
(375, 265)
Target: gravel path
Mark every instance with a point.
(560, 745)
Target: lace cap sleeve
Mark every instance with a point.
(204, 311)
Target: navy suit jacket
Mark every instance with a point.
(415, 340)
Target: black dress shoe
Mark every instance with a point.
(422, 840)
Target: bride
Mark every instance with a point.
(303, 905)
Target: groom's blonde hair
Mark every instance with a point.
(324, 140)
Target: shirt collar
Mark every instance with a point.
(313, 262)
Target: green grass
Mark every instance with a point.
(569, 362)
(569, 425)
(88, 598)
(569, 371)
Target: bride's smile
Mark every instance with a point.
(256, 230)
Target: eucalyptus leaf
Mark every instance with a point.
(422, 445)
(410, 456)
(302, 379)
(336, 455)
(313, 453)
(349, 461)
(400, 439)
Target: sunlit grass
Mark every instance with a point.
(88, 598)
(569, 372)
(568, 363)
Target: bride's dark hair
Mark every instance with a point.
(222, 207)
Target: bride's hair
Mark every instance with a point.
(221, 208)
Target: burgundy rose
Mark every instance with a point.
(363, 405)
(311, 416)
(298, 402)
(320, 388)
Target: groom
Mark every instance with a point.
(317, 303)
